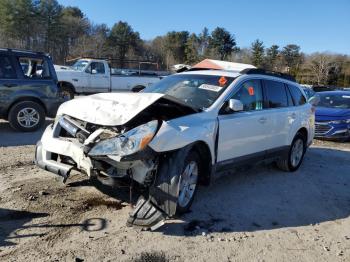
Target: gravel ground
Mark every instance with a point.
(259, 215)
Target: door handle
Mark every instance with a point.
(294, 115)
(262, 120)
(10, 85)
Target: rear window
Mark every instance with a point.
(276, 95)
(6, 68)
(298, 98)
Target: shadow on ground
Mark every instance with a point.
(265, 198)
(15, 224)
(10, 137)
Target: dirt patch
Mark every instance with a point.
(258, 215)
(96, 202)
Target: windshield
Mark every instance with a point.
(198, 91)
(334, 100)
(80, 65)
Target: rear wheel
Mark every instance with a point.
(295, 156)
(26, 116)
(67, 92)
(137, 89)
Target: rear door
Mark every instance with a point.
(278, 102)
(242, 135)
(35, 76)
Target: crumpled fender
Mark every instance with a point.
(163, 194)
(180, 132)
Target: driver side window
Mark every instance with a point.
(250, 94)
(96, 68)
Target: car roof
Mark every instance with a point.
(213, 73)
(235, 74)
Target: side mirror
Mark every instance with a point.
(93, 71)
(314, 100)
(235, 105)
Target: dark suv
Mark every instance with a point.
(28, 89)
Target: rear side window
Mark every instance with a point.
(6, 68)
(35, 68)
(298, 98)
(276, 95)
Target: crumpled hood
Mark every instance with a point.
(108, 109)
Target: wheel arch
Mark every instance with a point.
(67, 84)
(138, 88)
(303, 131)
(204, 153)
(24, 99)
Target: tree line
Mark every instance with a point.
(66, 33)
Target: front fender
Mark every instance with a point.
(178, 133)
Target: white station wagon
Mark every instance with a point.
(183, 131)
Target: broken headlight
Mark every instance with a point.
(128, 143)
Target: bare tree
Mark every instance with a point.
(320, 65)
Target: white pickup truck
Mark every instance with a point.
(89, 76)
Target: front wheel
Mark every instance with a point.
(188, 183)
(295, 156)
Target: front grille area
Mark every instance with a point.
(322, 128)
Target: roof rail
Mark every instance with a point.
(22, 51)
(258, 71)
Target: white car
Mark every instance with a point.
(89, 76)
(183, 131)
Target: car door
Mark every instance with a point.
(99, 79)
(8, 81)
(278, 103)
(242, 135)
(36, 79)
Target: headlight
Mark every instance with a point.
(128, 143)
(345, 121)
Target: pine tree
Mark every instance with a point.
(257, 53)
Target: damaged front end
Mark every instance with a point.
(117, 152)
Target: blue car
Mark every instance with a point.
(333, 115)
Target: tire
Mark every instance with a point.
(166, 191)
(162, 199)
(137, 89)
(67, 92)
(31, 113)
(192, 160)
(294, 159)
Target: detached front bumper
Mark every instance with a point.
(49, 149)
